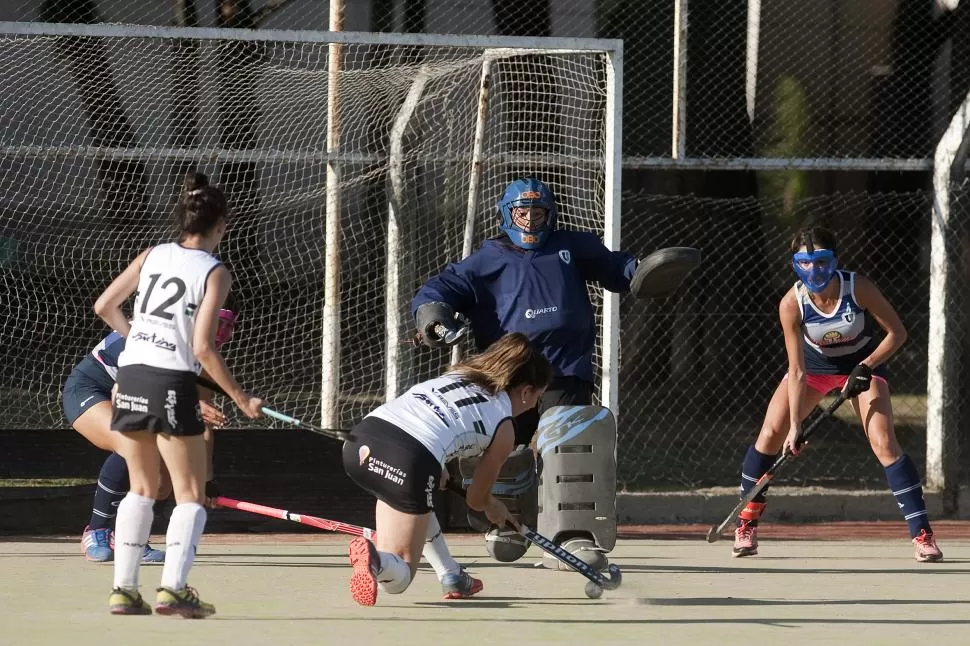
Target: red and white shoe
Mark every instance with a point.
(367, 565)
(926, 548)
(745, 540)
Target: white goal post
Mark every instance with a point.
(105, 119)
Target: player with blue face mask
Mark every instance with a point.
(833, 320)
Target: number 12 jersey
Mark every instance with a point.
(170, 289)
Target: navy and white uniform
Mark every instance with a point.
(399, 449)
(836, 342)
(93, 377)
(157, 371)
(542, 293)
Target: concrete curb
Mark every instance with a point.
(785, 504)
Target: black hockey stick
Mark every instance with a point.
(338, 434)
(714, 533)
(597, 580)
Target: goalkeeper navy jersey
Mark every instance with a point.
(542, 293)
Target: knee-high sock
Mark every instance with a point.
(904, 482)
(754, 466)
(181, 540)
(395, 575)
(436, 551)
(132, 527)
(112, 487)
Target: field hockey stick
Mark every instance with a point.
(338, 434)
(303, 519)
(714, 533)
(597, 580)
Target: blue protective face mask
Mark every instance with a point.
(814, 268)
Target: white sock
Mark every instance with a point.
(133, 524)
(395, 576)
(436, 551)
(184, 530)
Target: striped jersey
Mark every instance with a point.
(835, 342)
(450, 416)
(106, 353)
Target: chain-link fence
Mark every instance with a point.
(846, 78)
(697, 373)
(858, 88)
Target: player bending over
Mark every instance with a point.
(180, 288)
(87, 405)
(829, 319)
(398, 451)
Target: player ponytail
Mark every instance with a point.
(509, 362)
(201, 206)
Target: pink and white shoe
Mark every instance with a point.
(926, 548)
(367, 565)
(745, 540)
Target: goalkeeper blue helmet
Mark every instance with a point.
(528, 193)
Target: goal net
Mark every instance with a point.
(427, 131)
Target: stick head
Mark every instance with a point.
(713, 535)
(660, 274)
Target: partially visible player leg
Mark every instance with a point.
(110, 491)
(404, 507)
(759, 458)
(134, 521)
(94, 424)
(87, 407)
(456, 583)
(187, 462)
(392, 563)
(874, 408)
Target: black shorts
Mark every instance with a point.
(388, 463)
(158, 400)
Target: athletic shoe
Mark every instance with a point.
(745, 539)
(152, 556)
(926, 549)
(460, 586)
(367, 565)
(96, 544)
(184, 602)
(127, 602)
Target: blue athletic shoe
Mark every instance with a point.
(152, 556)
(460, 586)
(96, 545)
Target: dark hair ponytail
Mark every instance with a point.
(200, 206)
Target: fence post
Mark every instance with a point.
(942, 381)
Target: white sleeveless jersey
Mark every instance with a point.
(451, 417)
(170, 288)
